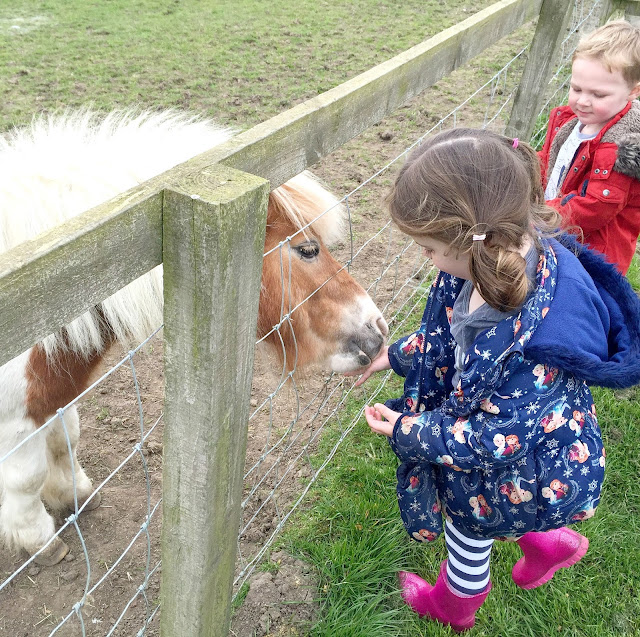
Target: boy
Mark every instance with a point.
(591, 154)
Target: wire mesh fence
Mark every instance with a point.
(109, 582)
(398, 283)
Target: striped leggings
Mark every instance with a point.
(468, 561)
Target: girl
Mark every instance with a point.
(511, 304)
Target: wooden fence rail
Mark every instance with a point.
(209, 333)
(121, 239)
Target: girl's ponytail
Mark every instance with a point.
(499, 274)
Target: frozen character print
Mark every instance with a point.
(513, 445)
(413, 343)
(542, 267)
(579, 451)
(424, 535)
(459, 428)
(449, 313)
(525, 337)
(515, 495)
(501, 443)
(556, 491)
(514, 491)
(479, 507)
(447, 461)
(414, 484)
(545, 376)
(577, 422)
(586, 512)
(407, 423)
(440, 373)
(489, 407)
(554, 419)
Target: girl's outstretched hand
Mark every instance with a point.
(379, 363)
(381, 419)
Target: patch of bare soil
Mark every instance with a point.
(281, 600)
(282, 594)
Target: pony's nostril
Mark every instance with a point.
(363, 359)
(382, 326)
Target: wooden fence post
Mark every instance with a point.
(607, 7)
(214, 226)
(552, 24)
(631, 11)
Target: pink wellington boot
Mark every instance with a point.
(545, 553)
(439, 602)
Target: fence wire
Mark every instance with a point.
(288, 454)
(110, 584)
(115, 546)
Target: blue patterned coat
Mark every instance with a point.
(516, 446)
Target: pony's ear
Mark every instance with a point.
(305, 200)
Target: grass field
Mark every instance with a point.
(240, 61)
(243, 61)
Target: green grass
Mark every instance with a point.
(241, 61)
(353, 536)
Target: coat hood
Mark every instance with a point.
(592, 328)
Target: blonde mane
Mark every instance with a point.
(306, 202)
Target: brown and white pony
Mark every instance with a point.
(59, 167)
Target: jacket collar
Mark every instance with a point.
(609, 133)
(498, 351)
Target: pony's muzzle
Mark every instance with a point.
(370, 341)
(362, 343)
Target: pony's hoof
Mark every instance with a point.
(53, 554)
(92, 502)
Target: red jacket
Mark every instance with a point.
(601, 189)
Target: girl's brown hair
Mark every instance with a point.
(466, 181)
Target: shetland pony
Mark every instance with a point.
(59, 167)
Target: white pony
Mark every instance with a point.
(63, 165)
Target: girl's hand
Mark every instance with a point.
(381, 419)
(379, 363)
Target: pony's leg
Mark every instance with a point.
(24, 522)
(58, 491)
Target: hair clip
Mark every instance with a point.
(479, 237)
(515, 142)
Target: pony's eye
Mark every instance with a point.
(308, 250)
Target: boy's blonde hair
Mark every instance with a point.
(616, 45)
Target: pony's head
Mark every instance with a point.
(311, 309)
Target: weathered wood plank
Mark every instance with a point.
(212, 286)
(543, 53)
(46, 282)
(275, 150)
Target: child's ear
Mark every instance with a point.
(635, 91)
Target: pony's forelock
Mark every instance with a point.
(307, 202)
